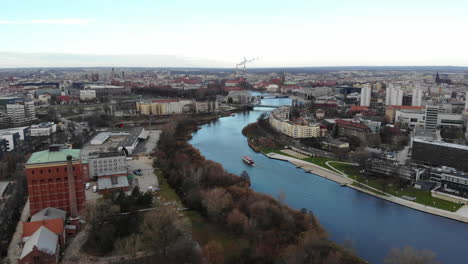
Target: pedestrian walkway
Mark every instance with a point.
(14, 250)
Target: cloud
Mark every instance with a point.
(65, 22)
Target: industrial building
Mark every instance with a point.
(437, 153)
(55, 179)
(110, 169)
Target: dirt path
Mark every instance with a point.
(14, 251)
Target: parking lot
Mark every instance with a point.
(148, 178)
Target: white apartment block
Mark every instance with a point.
(466, 101)
(87, 95)
(294, 130)
(43, 129)
(417, 97)
(393, 95)
(107, 163)
(21, 112)
(366, 95)
(164, 106)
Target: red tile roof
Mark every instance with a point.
(357, 108)
(64, 98)
(351, 124)
(55, 225)
(410, 107)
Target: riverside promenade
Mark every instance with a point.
(341, 178)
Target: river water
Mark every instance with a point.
(371, 225)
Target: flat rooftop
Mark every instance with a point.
(441, 143)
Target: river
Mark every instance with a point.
(371, 225)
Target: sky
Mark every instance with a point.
(220, 33)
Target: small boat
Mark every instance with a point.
(248, 160)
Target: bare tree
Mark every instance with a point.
(162, 228)
(213, 253)
(409, 255)
(216, 202)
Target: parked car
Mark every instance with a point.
(137, 172)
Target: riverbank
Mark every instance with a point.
(343, 179)
(225, 199)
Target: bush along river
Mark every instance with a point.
(371, 226)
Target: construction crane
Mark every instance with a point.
(243, 63)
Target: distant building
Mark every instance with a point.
(393, 96)
(56, 179)
(20, 112)
(432, 115)
(350, 128)
(417, 97)
(87, 95)
(438, 153)
(43, 129)
(366, 95)
(206, 107)
(295, 130)
(11, 139)
(164, 106)
(103, 90)
(391, 111)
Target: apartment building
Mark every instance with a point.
(301, 129)
(164, 106)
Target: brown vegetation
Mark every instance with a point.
(276, 232)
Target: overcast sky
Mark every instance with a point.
(214, 33)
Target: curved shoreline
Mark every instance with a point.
(343, 180)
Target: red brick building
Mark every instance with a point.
(56, 179)
(41, 247)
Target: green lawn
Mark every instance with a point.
(166, 192)
(422, 197)
(204, 231)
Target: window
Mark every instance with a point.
(114, 180)
(32, 172)
(40, 171)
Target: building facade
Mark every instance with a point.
(438, 153)
(163, 106)
(294, 130)
(56, 179)
(366, 95)
(432, 116)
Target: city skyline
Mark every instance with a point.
(211, 34)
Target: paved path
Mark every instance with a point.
(461, 215)
(294, 153)
(313, 168)
(14, 250)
